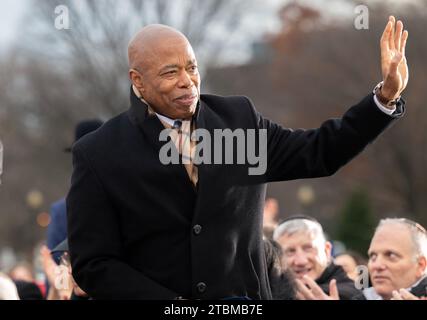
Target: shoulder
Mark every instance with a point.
(230, 103)
(238, 108)
(420, 290)
(224, 100)
(58, 206)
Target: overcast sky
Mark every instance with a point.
(11, 13)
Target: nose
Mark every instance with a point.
(185, 80)
(377, 263)
(300, 258)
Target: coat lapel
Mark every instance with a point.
(150, 126)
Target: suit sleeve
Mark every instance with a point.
(95, 242)
(298, 154)
(56, 230)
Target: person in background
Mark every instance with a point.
(282, 281)
(270, 215)
(349, 261)
(57, 228)
(397, 265)
(397, 261)
(8, 289)
(307, 253)
(61, 283)
(22, 271)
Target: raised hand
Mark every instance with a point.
(393, 61)
(308, 289)
(404, 294)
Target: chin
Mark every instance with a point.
(384, 291)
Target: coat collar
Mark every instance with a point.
(150, 126)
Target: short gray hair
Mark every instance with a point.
(418, 234)
(301, 225)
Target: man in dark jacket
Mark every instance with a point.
(307, 253)
(141, 227)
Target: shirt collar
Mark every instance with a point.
(371, 294)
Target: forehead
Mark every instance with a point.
(296, 239)
(173, 50)
(394, 237)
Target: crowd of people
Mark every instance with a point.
(299, 259)
(396, 267)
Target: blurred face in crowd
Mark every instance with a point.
(304, 254)
(349, 265)
(22, 273)
(393, 264)
(164, 70)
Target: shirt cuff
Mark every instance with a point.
(382, 108)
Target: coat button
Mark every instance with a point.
(201, 287)
(197, 229)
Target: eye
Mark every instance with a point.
(169, 73)
(372, 256)
(289, 252)
(193, 69)
(391, 255)
(307, 248)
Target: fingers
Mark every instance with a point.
(398, 35)
(315, 289)
(333, 290)
(385, 37)
(403, 42)
(396, 295)
(391, 38)
(406, 295)
(304, 291)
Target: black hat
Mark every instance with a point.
(63, 246)
(84, 127)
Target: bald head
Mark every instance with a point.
(142, 48)
(164, 71)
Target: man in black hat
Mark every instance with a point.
(57, 229)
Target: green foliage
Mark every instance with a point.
(356, 222)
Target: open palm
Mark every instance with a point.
(393, 61)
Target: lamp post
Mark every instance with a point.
(306, 198)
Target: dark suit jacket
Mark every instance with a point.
(138, 229)
(346, 287)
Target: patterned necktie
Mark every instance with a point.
(181, 136)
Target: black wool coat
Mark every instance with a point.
(138, 229)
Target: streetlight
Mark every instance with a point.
(306, 197)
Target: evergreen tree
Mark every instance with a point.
(356, 222)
